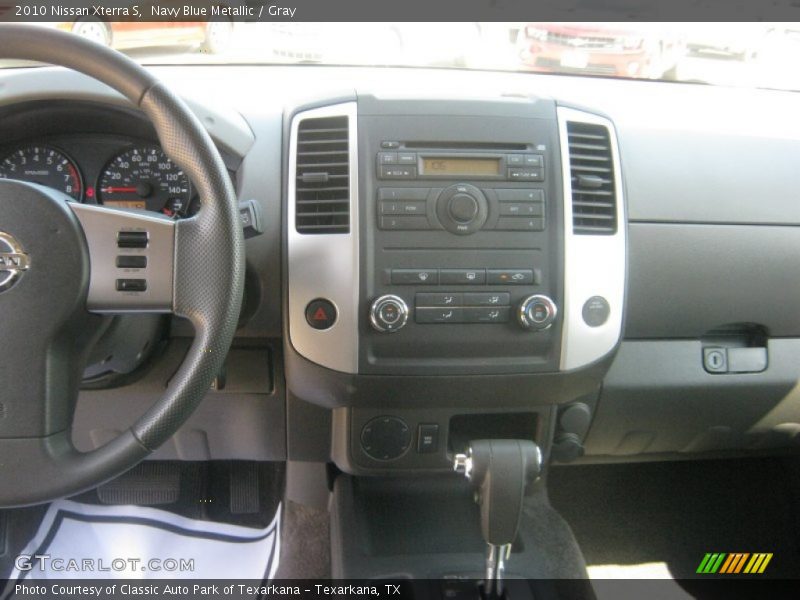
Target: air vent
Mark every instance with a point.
(322, 202)
(594, 203)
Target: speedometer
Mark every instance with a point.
(46, 166)
(144, 178)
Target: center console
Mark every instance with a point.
(455, 268)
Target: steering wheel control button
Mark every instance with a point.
(462, 209)
(427, 438)
(13, 261)
(715, 360)
(415, 276)
(537, 312)
(388, 314)
(386, 438)
(462, 276)
(131, 262)
(131, 285)
(510, 277)
(321, 314)
(596, 311)
(132, 239)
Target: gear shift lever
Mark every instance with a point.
(500, 470)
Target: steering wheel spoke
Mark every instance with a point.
(131, 257)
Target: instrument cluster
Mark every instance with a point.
(109, 170)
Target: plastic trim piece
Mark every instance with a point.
(325, 266)
(594, 265)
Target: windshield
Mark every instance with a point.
(742, 54)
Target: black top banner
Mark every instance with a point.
(405, 10)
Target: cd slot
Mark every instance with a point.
(498, 146)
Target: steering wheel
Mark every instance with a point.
(59, 275)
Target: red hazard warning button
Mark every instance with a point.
(320, 313)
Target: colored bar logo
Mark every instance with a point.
(734, 563)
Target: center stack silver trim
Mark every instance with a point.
(325, 265)
(594, 265)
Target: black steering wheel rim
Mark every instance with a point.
(207, 281)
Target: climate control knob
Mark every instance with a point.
(537, 312)
(388, 313)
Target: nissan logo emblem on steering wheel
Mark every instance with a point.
(13, 261)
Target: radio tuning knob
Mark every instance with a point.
(537, 312)
(388, 313)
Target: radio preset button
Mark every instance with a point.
(510, 276)
(415, 276)
(403, 193)
(439, 299)
(405, 223)
(520, 224)
(403, 208)
(521, 209)
(462, 276)
(520, 195)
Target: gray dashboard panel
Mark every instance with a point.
(685, 280)
(226, 126)
(743, 179)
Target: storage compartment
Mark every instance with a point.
(659, 399)
(687, 279)
(496, 426)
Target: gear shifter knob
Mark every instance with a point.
(501, 470)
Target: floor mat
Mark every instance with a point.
(660, 519)
(99, 542)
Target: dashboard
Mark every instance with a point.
(604, 267)
(122, 171)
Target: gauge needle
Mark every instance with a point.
(118, 190)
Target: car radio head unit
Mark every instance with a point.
(437, 164)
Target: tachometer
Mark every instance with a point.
(46, 166)
(144, 178)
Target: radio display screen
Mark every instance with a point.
(452, 166)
